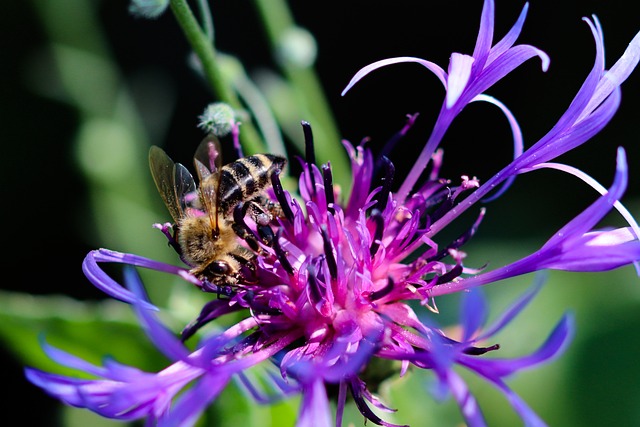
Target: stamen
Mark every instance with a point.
(309, 153)
(444, 207)
(211, 311)
(452, 194)
(281, 254)
(477, 351)
(314, 287)
(389, 145)
(358, 399)
(280, 196)
(328, 250)
(464, 238)
(389, 171)
(384, 291)
(328, 187)
(376, 216)
(450, 275)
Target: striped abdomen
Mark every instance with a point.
(245, 179)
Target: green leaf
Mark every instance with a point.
(90, 330)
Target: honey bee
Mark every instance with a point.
(205, 231)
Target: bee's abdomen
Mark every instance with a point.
(246, 178)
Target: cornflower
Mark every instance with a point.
(332, 291)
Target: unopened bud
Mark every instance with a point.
(218, 118)
(149, 9)
(297, 47)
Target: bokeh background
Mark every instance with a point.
(86, 87)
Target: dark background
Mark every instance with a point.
(43, 193)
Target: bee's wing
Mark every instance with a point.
(209, 196)
(185, 187)
(208, 164)
(172, 180)
(208, 157)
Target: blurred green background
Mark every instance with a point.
(86, 88)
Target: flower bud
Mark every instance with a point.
(218, 118)
(297, 47)
(149, 9)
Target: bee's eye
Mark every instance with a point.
(220, 267)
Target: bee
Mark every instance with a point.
(205, 232)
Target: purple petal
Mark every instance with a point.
(511, 37)
(585, 93)
(579, 252)
(112, 399)
(596, 186)
(485, 34)
(552, 347)
(102, 280)
(474, 313)
(354, 362)
(160, 336)
(503, 65)
(553, 144)
(434, 68)
(594, 213)
(314, 409)
(459, 74)
(71, 361)
(276, 387)
(187, 409)
(112, 288)
(530, 418)
(467, 402)
(61, 387)
(514, 310)
(617, 74)
(598, 251)
(518, 145)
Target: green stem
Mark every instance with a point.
(277, 20)
(207, 22)
(213, 73)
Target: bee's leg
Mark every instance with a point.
(170, 231)
(247, 236)
(173, 241)
(220, 289)
(275, 209)
(264, 210)
(247, 261)
(266, 235)
(242, 230)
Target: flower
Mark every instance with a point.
(446, 353)
(340, 282)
